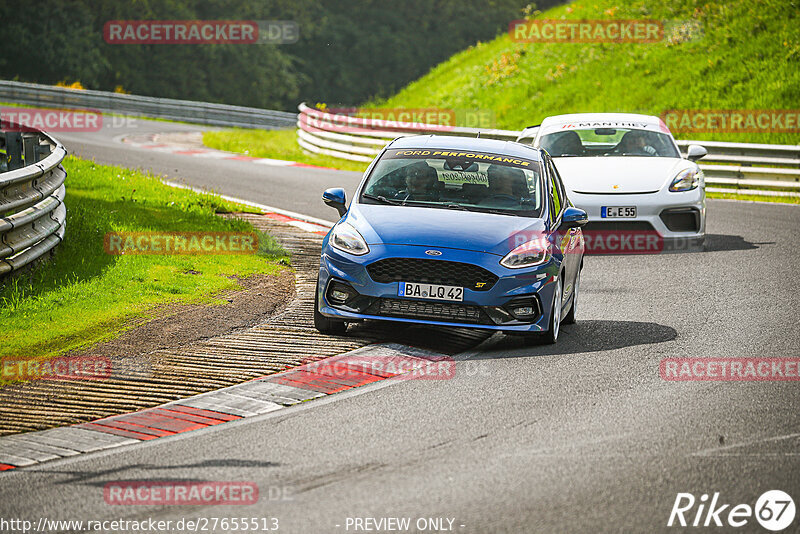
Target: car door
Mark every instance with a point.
(568, 241)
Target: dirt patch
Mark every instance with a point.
(176, 326)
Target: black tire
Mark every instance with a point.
(323, 324)
(570, 317)
(551, 336)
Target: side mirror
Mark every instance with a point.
(696, 152)
(336, 198)
(574, 218)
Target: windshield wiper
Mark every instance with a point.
(383, 199)
(499, 212)
(479, 209)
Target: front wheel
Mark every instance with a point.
(322, 323)
(570, 317)
(551, 336)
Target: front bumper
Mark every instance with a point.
(490, 309)
(677, 217)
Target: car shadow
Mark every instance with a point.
(720, 242)
(713, 243)
(584, 336)
(442, 339)
(90, 477)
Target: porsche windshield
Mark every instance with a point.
(609, 142)
(447, 179)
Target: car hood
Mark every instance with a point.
(442, 228)
(626, 174)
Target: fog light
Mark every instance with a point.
(340, 293)
(524, 311)
(339, 296)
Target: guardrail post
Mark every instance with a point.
(29, 143)
(42, 151)
(14, 150)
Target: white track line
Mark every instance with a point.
(268, 209)
(712, 450)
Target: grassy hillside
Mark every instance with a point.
(748, 57)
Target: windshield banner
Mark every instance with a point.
(444, 154)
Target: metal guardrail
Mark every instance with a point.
(32, 211)
(738, 167)
(358, 139)
(144, 106)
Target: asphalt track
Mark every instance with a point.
(583, 436)
(292, 188)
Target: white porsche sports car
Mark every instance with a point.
(626, 172)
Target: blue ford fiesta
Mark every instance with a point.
(454, 231)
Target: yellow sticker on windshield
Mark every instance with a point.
(462, 177)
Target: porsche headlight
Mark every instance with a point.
(686, 180)
(347, 239)
(528, 254)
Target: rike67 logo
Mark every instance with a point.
(774, 510)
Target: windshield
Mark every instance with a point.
(609, 142)
(445, 179)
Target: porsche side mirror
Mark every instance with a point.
(696, 152)
(337, 199)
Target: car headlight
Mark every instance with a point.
(686, 180)
(528, 254)
(347, 239)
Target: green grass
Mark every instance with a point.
(275, 144)
(83, 295)
(748, 58)
(755, 198)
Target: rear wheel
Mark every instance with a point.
(322, 323)
(570, 317)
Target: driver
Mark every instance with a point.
(506, 181)
(421, 180)
(635, 142)
(565, 144)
